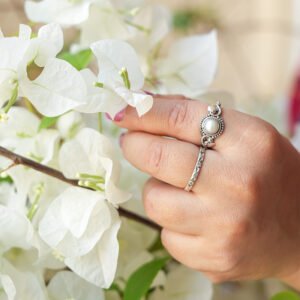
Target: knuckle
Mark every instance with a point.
(229, 256)
(252, 185)
(149, 196)
(269, 141)
(178, 118)
(156, 157)
(159, 210)
(228, 262)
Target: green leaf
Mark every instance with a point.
(47, 122)
(79, 60)
(140, 281)
(286, 296)
(6, 179)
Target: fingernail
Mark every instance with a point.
(108, 116)
(148, 93)
(119, 116)
(121, 139)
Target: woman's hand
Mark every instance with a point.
(242, 220)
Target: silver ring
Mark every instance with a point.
(197, 169)
(211, 127)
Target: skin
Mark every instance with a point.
(241, 221)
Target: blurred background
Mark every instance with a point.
(259, 44)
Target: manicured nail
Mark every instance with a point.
(148, 93)
(121, 139)
(108, 116)
(119, 116)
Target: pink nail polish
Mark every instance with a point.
(121, 139)
(108, 116)
(119, 116)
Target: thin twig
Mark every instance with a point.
(7, 168)
(20, 160)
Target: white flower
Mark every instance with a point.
(64, 12)
(16, 230)
(70, 124)
(128, 4)
(120, 80)
(21, 134)
(104, 22)
(189, 66)
(184, 284)
(90, 157)
(7, 287)
(67, 285)
(57, 89)
(19, 285)
(81, 228)
(152, 24)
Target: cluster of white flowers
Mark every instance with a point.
(59, 241)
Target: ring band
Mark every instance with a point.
(211, 127)
(197, 169)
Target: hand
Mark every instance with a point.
(242, 220)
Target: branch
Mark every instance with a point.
(20, 160)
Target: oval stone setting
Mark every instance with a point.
(211, 126)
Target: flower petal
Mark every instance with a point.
(16, 230)
(190, 65)
(51, 41)
(99, 266)
(100, 99)
(113, 55)
(64, 12)
(59, 88)
(67, 285)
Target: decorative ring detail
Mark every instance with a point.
(211, 127)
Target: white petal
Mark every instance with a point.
(99, 266)
(45, 145)
(191, 61)
(25, 32)
(183, 283)
(84, 217)
(20, 122)
(67, 285)
(52, 230)
(113, 55)
(8, 286)
(114, 194)
(63, 12)
(69, 124)
(12, 52)
(92, 153)
(104, 22)
(51, 43)
(89, 146)
(156, 19)
(57, 90)
(142, 102)
(100, 99)
(28, 285)
(16, 230)
(7, 85)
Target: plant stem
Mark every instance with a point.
(100, 122)
(20, 160)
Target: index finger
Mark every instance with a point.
(180, 119)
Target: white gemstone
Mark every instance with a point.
(211, 126)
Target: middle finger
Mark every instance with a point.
(170, 160)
